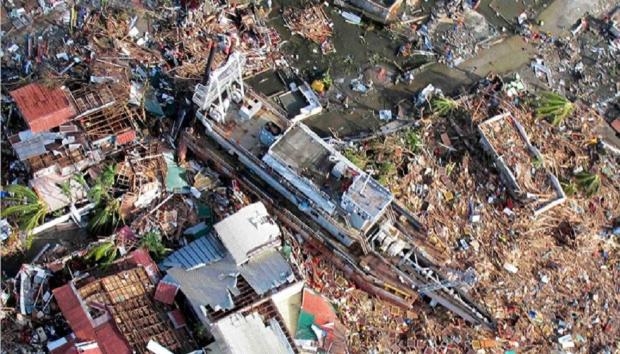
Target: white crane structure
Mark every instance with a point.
(225, 83)
(466, 278)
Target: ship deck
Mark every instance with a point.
(245, 133)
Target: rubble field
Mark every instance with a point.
(496, 125)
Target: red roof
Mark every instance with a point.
(74, 313)
(141, 258)
(43, 108)
(126, 235)
(177, 318)
(616, 125)
(109, 340)
(316, 305)
(126, 137)
(166, 292)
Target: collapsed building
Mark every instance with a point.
(116, 313)
(232, 278)
(69, 131)
(520, 164)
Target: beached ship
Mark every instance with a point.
(365, 227)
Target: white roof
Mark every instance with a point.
(237, 334)
(248, 231)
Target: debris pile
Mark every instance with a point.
(473, 219)
(311, 23)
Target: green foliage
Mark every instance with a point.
(107, 209)
(108, 175)
(413, 140)
(444, 106)
(106, 214)
(538, 163)
(357, 158)
(589, 182)
(104, 253)
(103, 185)
(327, 79)
(65, 188)
(569, 188)
(26, 207)
(554, 107)
(152, 241)
(386, 170)
(79, 178)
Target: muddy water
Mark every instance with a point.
(360, 49)
(68, 236)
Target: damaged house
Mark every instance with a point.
(69, 131)
(116, 314)
(230, 278)
(520, 163)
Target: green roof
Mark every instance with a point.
(176, 179)
(304, 326)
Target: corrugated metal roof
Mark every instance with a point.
(28, 144)
(210, 285)
(247, 230)
(43, 108)
(266, 271)
(30, 148)
(237, 334)
(141, 257)
(126, 137)
(177, 318)
(205, 250)
(73, 312)
(215, 283)
(166, 292)
(110, 341)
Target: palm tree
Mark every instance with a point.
(107, 214)
(152, 241)
(444, 105)
(107, 208)
(65, 188)
(590, 182)
(79, 178)
(102, 186)
(27, 207)
(106, 252)
(554, 107)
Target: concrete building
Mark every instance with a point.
(329, 181)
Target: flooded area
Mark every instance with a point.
(68, 237)
(430, 183)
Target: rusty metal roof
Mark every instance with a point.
(109, 340)
(43, 108)
(74, 313)
(166, 292)
(126, 137)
